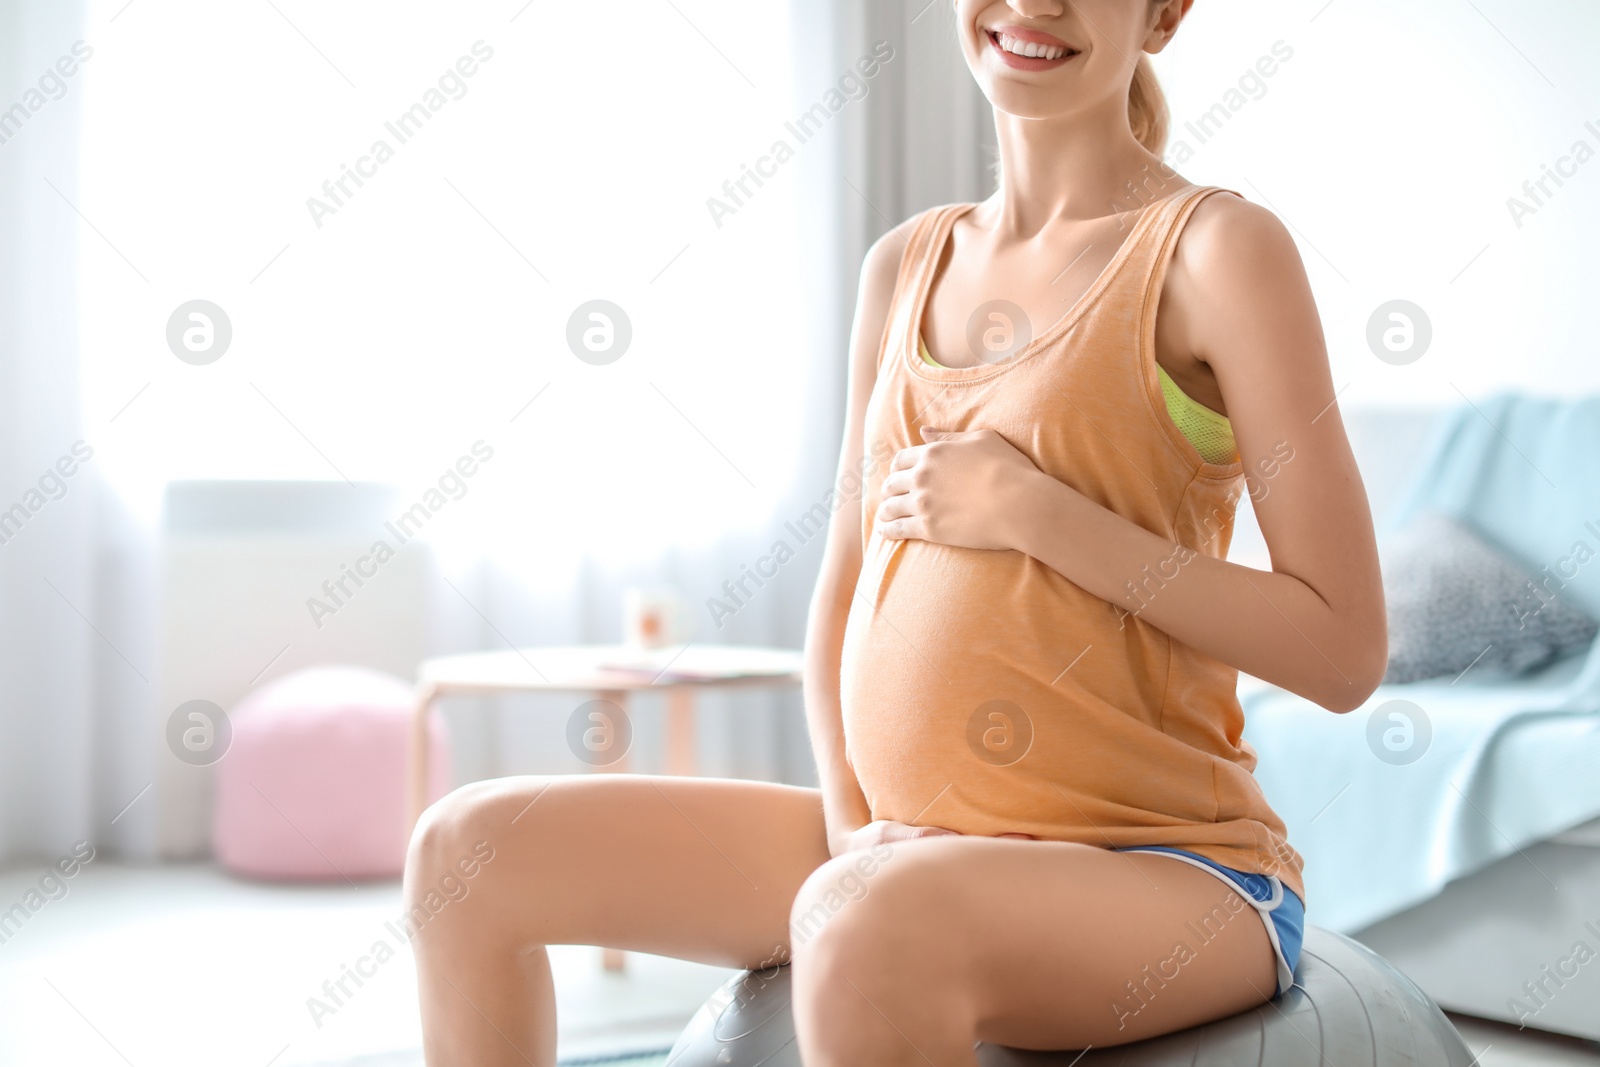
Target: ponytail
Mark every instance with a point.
(1147, 108)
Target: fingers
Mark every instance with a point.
(913, 527)
(906, 458)
(913, 833)
(910, 457)
(891, 832)
(899, 506)
(897, 517)
(897, 483)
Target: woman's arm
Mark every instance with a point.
(844, 806)
(1237, 297)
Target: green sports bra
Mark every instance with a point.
(1210, 432)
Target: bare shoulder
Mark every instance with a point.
(1237, 286)
(881, 265)
(1229, 234)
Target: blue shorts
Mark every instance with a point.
(1283, 912)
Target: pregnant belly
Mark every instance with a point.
(983, 692)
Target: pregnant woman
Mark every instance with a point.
(1037, 823)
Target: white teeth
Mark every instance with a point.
(1029, 49)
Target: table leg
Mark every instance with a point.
(612, 959)
(680, 731)
(417, 765)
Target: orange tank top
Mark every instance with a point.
(983, 691)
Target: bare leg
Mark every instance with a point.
(931, 945)
(700, 869)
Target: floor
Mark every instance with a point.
(1503, 1045)
(181, 965)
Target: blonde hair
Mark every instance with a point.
(1147, 108)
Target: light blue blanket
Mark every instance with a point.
(1386, 809)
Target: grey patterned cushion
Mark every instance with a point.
(1455, 600)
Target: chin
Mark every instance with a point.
(1055, 92)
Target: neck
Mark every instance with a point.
(1083, 166)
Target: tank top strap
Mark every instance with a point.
(917, 264)
(1157, 237)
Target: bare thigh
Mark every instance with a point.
(1032, 944)
(696, 868)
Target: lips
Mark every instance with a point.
(1027, 49)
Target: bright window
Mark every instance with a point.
(508, 167)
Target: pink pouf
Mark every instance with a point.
(312, 787)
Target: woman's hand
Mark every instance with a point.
(885, 831)
(960, 489)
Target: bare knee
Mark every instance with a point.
(449, 827)
(870, 918)
(873, 961)
(453, 846)
(835, 899)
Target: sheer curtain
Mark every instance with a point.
(48, 742)
(388, 307)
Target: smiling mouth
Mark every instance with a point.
(1016, 46)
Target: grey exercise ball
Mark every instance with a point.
(1348, 1007)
